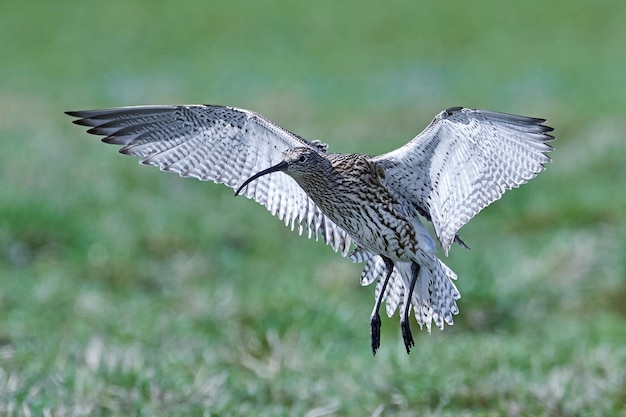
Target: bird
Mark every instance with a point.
(371, 209)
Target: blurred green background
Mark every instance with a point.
(126, 291)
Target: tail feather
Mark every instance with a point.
(434, 296)
(395, 297)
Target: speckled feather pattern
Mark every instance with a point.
(462, 162)
(221, 144)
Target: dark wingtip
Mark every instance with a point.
(460, 241)
(83, 118)
(82, 114)
(451, 110)
(73, 113)
(95, 130)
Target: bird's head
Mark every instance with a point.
(296, 162)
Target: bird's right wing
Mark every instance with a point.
(462, 162)
(222, 144)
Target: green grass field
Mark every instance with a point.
(126, 291)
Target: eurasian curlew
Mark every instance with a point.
(462, 162)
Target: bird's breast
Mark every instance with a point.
(357, 202)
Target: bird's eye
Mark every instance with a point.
(302, 158)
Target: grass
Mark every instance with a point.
(126, 291)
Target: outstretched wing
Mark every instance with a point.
(462, 162)
(222, 144)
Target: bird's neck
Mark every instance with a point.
(336, 178)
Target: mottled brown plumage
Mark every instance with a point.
(348, 189)
(464, 160)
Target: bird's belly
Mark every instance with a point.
(378, 231)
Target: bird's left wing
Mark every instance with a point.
(462, 162)
(223, 144)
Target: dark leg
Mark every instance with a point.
(405, 325)
(375, 317)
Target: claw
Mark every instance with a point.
(375, 325)
(407, 336)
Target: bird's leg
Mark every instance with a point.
(405, 325)
(375, 322)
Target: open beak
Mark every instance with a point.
(281, 166)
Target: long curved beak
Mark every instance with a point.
(281, 166)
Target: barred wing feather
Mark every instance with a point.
(223, 144)
(462, 162)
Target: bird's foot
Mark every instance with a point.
(407, 336)
(375, 325)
